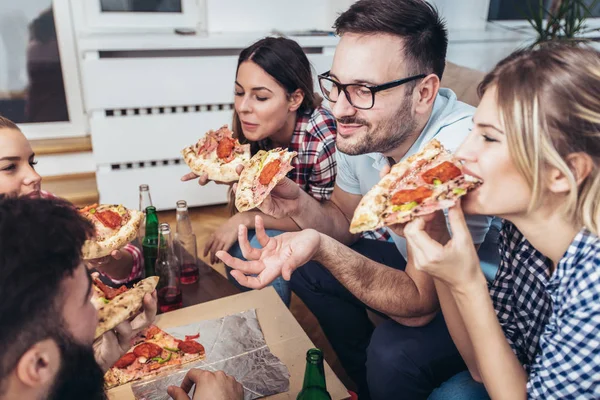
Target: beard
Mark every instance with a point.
(389, 135)
(80, 376)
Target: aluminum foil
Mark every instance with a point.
(234, 344)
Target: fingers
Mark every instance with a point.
(247, 267)
(249, 252)
(188, 177)
(234, 187)
(239, 169)
(208, 245)
(458, 224)
(124, 334)
(147, 317)
(177, 393)
(116, 254)
(423, 246)
(261, 234)
(384, 171)
(260, 281)
(191, 378)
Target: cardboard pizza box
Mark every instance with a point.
(283, 335)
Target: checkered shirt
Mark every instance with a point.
(314, 141)
(552, 322)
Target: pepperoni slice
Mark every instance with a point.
(109, 293)
(190, 347)
(152, 331)
(406, 196)
(444, 172)
(269, 171)
(225, 148)
(148, 350)
(192, 337)
(126, 360)
(109, 219)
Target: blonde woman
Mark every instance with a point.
(536, 145)
(535, 333)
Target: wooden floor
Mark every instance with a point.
(205, 220)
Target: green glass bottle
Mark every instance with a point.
(150, 242)
(314, 386)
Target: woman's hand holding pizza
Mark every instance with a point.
(280, 255)
(282, 201)
(109, 347)
(455, 263)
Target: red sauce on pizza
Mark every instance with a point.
(190, 347)
(152, 330)
(109, 293)
(406, 196)
(126, 360)
(443, 172)
(269, 171)
(148, 350)
(109, 219)
(225, 148)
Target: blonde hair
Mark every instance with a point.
(6, 123)
(550, 105)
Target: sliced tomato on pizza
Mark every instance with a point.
(425, 182)
(153, 352)
(261, 175)
(115, 226)
(217, 154)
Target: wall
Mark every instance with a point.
(262, 15)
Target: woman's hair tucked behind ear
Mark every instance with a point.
(550, 105)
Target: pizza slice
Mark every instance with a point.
(217, 154)
(261, 175)
(115, 227)
(153, 352)
(425, 182)
(117, 305)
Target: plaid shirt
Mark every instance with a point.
(137, 267)
(552, 322)
(314, 141)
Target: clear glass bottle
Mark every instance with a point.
(145, 202)
(186, 245)
(168, 270)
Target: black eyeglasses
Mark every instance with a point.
(360, 96)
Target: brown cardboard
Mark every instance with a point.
(283, 334)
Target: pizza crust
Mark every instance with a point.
(93, 249)
(216, 170)
(209, 163)
(250, 193)
(124, 306)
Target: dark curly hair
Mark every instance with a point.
(40, 246)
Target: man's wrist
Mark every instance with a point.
(321, 255)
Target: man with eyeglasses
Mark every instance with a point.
(384, 90)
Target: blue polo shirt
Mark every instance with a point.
(449, 123)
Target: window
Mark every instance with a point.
(517, 9)
(31, 80)
(140, 5)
